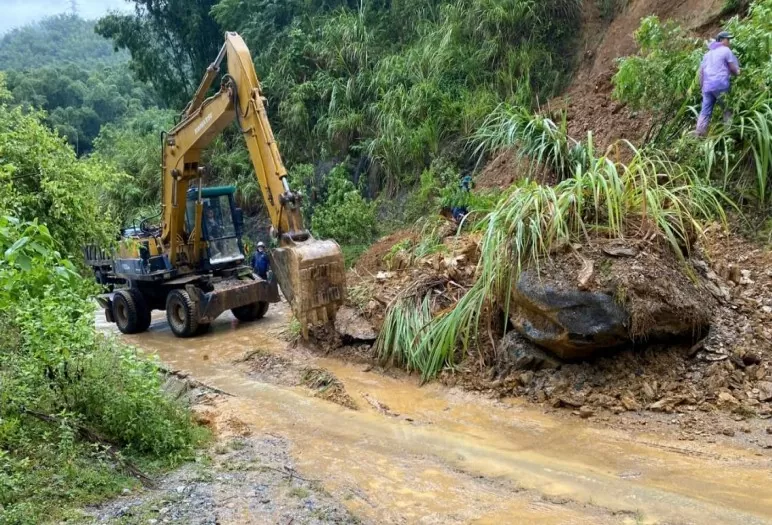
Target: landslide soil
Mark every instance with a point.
(588, 100)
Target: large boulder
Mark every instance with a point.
(569, 322)
(578, 307)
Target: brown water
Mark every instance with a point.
(447, 456)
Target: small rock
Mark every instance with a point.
(586, 412)
(728, 432)
(769, 430)
(180, 489)
(648, 392)
(734, 274)
(751, 359)
(745, 429)
(126, 491)
(661, 405)
(629, 402)
(765, 390)
(566, 401)
(152, 522)
(382, 277)
(526, 378)
(725, 398)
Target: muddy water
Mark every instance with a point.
(445, 456)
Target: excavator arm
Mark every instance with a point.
(310, 272)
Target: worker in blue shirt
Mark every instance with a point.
(460, 210)
(260, 261)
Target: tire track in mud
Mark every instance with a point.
(453, 457)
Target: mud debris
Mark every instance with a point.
(727, 369)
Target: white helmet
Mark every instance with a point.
(261, 244)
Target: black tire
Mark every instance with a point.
(250, 312)
(143, 310)
(203, 328)
(181, 314)
(126, 312)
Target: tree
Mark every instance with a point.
(171, 43)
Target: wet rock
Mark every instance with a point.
(569, 322)
(349, 323)
(765, 390)
(523, 355)
(552, 311)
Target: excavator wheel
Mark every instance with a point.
(181, 314)
(130, 312)
(143, 311)
(250, 312)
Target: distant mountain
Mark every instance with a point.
(54, 41)
(17, 13)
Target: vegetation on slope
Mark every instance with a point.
(61, 66)
(670, 187)
(74, 405)
(662, 78)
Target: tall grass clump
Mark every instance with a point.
(649, 196)
(540, 139)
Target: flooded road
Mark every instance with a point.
(439, 455)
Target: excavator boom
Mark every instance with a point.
(310, 272)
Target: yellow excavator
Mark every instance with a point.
(193, 265)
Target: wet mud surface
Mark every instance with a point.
(402, 453)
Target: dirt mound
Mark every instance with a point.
(509, 167)
(729, 370)
(326, 386)
(280, 370)
(371, 262)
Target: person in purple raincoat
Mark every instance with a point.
(718, 67)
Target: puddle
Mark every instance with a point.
(453, 457)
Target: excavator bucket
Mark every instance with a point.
(312, 277)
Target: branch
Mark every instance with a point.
(92, 436)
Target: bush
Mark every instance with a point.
(345, 216)
(52, 362)
(41, 178)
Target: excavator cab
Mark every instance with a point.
(221, 226)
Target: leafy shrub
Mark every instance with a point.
(42, 179)
(52, 362)
(345, 215)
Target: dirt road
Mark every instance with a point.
(411, 454)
